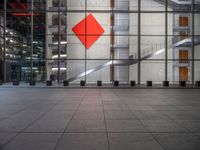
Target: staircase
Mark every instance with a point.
(179, 4)
(120, 50)
(133, 61)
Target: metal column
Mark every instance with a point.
(31, 67)
(59, 41)
(4, 51)
(166, 40)
(193, 54)
(139, 41)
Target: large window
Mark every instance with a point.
(104, 40)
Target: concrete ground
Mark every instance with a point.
(99, 119)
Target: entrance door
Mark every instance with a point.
(183, 73)
(183, 59)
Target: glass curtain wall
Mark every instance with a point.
(105, 40)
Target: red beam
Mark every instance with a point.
(24, 14)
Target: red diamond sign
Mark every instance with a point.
(88, 31)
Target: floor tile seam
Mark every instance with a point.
(18, 133)
(195, 132)
(129, 109)
(121, 132)
(153, 136)
(188, 130)
(107, 135)
(131, 119)
(167, 118)
(138, 132)
(151, 133)
(14, 113)
(173, 121)
(62, 134)
(103, 131)
(88, 119)
(145, 127)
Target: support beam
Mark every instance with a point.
(59, 42)
(112, 41)
(31, 67)
(193, 52)
(166, 40)
(139, 42)
(4, 51)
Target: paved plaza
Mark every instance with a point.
(99, 119)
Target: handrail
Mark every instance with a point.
(128, 61)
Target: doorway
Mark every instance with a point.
(183, 73)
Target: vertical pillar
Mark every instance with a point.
(193, 52)
(66, 50)
(166, 40)
(85, 41)
(46, 41)
(59, 41)
(31, 67)
(4, 49)
(112, 41)
(139, 41)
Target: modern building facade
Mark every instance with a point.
(103, 40)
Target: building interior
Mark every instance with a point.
(154, 40)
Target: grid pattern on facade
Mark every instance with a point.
(136, 40)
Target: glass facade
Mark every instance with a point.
(105, 40)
